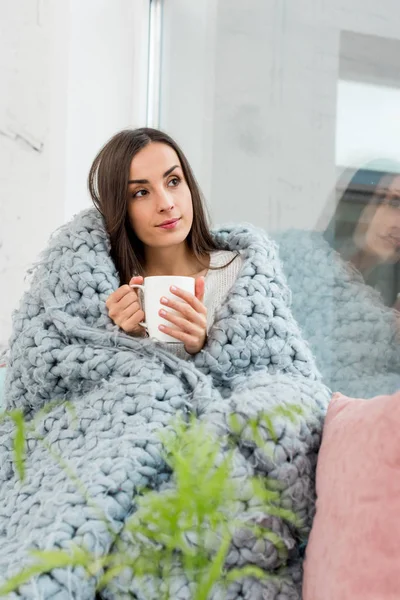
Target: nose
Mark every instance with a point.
(164, 202)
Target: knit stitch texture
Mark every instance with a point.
(126, 390)
(353, 335)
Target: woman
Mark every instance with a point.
(161, 190)
(77, 337)
(365, 228)
(345, 284)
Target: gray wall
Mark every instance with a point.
(262, 135)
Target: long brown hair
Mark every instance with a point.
(368, 186)
(108, 187)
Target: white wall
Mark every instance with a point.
(33, 54)
(72, 74)
(105, 93)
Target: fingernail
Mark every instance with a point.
(163, 313)
(161, 327)
(164, 300)
(173, 288)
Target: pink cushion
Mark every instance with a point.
(354, 546)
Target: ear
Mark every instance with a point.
(199, 288)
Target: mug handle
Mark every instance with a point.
(141, 287)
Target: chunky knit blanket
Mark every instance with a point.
(354, 336)
(125, 390)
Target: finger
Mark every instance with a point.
(133, 322)
(185, 310)
(199, 288)
(117, 295)
(127, 300)
(137, 280)
(181, 336)
(191, 300)
(183, 324)
(116, 309)
(131, 310)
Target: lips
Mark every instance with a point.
(169, 223)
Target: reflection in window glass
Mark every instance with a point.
(292, 117)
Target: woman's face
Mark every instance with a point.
(381, 225)
(160, 206)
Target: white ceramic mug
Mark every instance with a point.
(154, 288)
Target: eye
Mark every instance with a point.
(394, 202)
(174, 182)
(140, 194)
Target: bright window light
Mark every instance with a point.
(368, 124)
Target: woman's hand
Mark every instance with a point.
(124, 308)
(191, 320)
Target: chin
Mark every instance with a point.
(170, 238)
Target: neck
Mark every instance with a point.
(177, 260)
(363, 261)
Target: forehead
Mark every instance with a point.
(153, 161)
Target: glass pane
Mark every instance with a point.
(290, 115)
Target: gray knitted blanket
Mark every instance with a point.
(355, 338)
(126, 390)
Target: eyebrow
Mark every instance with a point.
(147, 181)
